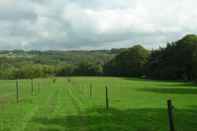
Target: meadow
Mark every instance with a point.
(78, 104)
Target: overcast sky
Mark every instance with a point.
(94, 24)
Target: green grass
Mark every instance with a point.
(135, 105)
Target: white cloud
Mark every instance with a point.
(7, 3)
(65, 24)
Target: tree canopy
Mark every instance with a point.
(176, 61)
(130, 62)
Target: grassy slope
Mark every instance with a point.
(136, 105)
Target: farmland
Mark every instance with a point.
(59, 104)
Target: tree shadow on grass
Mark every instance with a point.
(170, 90)
(122, 120)
(164, 83)
(148, 80)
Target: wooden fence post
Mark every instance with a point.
(17, 91)
(170, 115)
(32, 87)
(38, 87)
(106, 98)
(90, 90)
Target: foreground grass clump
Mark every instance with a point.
(69, 104)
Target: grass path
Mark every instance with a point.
(58, 110)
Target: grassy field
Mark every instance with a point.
(135, 105)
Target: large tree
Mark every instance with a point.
(130, 62)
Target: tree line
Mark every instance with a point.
(176, 61)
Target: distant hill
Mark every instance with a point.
(57, 57)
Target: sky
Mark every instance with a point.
(94, 24)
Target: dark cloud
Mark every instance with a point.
(14, 15)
